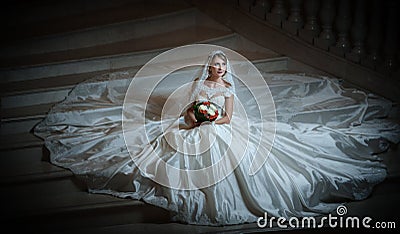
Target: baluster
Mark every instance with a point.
(327, 15)
(358, 32)
(343, 24)
(311, 28)
(375, 35)
(295, 19)
(391, 42)
(260, 8)
(278, 13)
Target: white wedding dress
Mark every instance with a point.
(324, 152)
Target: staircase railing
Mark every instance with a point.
(365, 32)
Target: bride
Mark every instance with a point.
(230, 170)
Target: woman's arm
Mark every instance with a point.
(226, 119)
(190, 112)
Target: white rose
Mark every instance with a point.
(203, 107)
(211, 112)
(212, 107)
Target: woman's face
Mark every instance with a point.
(218, 67)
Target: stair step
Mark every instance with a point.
(29, 173)
(19, 140)
(382, 205)
(46, 83)
(392, 160)
(27, 12)
(23, 165)
(155, 227)
(114, 215)
(102, 34)
(28, 165)
(91, 216)
(15, 157)
(102, 13)
(50, 204)
(27, 112)
(12, 129)
(75, 67)
(124, 37)
(53, 196)
(58, 198)
(37, 98)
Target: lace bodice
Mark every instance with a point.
(216, 95)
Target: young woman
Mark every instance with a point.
(215, 80)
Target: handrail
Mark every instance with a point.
(362, 31)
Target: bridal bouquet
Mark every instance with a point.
(205, 111)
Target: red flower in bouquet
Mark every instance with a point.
(205, 111)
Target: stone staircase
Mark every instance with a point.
(58, 45)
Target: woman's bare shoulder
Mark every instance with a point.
(227, 84)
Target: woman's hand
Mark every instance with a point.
(192, 117)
